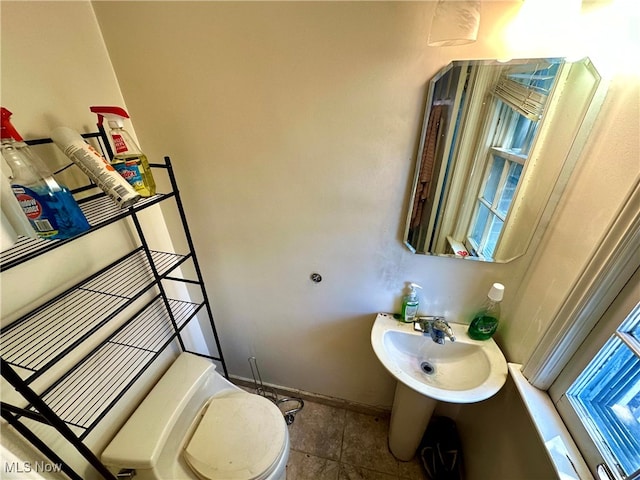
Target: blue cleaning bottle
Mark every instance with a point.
(49, 205)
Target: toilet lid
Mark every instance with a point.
(240, 436)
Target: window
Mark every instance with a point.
(500, 183)
(601, 405)
(606, 397)
(520, 98)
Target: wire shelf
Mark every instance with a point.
(100, 211)
(38, 340)
(82, 398)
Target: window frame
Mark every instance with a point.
(612, 265)
(605, 329)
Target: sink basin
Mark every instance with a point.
(463, 371)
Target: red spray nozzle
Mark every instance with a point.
(6, 129)
(109, 112)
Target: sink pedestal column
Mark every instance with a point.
(410, 416)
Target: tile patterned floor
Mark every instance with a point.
(331, 443)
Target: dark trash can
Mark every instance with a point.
(440, 450)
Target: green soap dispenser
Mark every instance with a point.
(485, 322)
(410, 304)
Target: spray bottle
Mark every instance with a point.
(51, 209)
(410, 304)
(12, 211)
(128, 160)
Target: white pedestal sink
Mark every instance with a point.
(464, 371)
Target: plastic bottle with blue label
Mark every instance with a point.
(49, 206)
(128, 159)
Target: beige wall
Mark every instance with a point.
(54, 64)
(499, 440)
(293, 128)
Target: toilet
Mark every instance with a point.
(194, 424)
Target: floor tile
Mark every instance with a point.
(303, 466)
(365, 443)
(317, 430)
(412, 470)
(333, 443)
(351, 472)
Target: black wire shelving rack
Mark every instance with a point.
(31, 346)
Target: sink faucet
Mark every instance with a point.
(437, 327)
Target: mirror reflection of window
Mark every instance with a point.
(498, 143)
(519, 99)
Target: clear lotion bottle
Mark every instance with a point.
(485, 322)
(410, 304)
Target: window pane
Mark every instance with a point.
(482, 217)
(632, 323)
(493, 179)
(515, 170)
(606, 397)
(523, 135)
(492, 240)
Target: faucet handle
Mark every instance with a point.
(443, 326)
(436, 326)
(423, 324)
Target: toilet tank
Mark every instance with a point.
(174, 400)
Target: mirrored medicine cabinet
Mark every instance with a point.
(498, 143)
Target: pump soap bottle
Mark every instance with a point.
(410, 304)
(485, 322)
(128, 159)
(48, 205)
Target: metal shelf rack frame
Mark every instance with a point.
(78, 399)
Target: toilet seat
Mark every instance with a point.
(239, 437)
